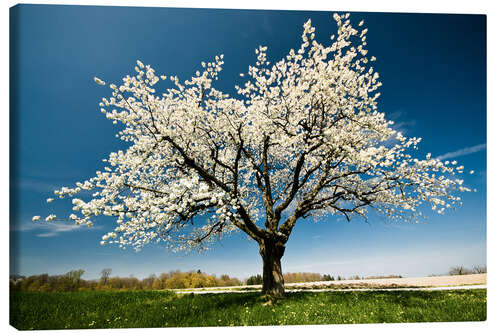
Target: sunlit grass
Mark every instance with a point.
(161, 309)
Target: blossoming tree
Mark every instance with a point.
(304, 139)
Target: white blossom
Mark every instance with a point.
(99, 81)
(51, 217)
(303, 138)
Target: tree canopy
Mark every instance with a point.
(303, 138)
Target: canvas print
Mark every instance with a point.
(181, 167)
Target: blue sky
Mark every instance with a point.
(433, 69)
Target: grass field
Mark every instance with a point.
(127, 309)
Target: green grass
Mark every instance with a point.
(115, 309)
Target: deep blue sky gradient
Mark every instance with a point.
(433, 70)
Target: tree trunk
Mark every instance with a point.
(271, 253)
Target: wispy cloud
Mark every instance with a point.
(462, 152)
(50, 229)
(59, 228)
(401, 123)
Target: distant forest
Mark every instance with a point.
(72, 281)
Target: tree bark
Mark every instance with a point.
(271, 252)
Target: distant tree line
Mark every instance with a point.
(72, 281)
(293, 278)
(298, 277)
(303, 277)
(461, 270)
